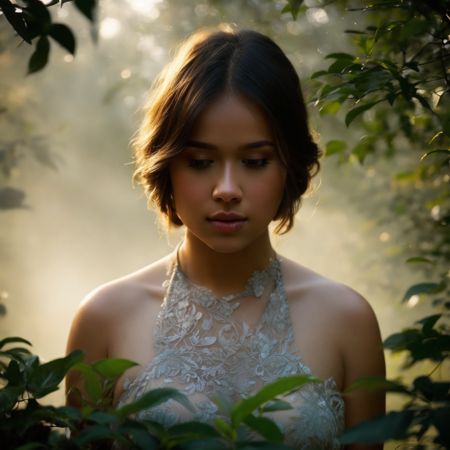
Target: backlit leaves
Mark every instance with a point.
(33, 21)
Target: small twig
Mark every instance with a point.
(422, 49)
(434, 60)
(442, 360)
(444, 68)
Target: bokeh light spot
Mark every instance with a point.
(385, 237)
(109, 28)
(317, 16)
(294, 28)
(413, 301)
(125, 74)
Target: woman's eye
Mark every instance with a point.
(200, 164)
(256, 163)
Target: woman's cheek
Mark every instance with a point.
(187, 189)
(267, 192)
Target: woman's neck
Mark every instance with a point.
(223, 273)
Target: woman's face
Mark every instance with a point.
(228, 183)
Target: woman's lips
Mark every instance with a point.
(227, 226)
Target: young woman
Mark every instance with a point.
(225, 150)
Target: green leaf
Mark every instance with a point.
(193, 429)
(354, 113)
(378, 383)
(39, 58)
(277, 405)
(224, 405)
(38, 12)
(261, 445)
(16, 20)
(112, 368)
(422, 101)
(145, 440)
(331, 107)
(428, 323)
(103, 418)
(228, 431)
(64, 36)
(432, 391)
(154, 398)
(344, 56)
(9, 397)
(13, 374)
(92, 384)
(418, 259)
(267, 393)
(379, 429)
(46, 377)
(265, 427)
(333, 147)
(390, 65)
(413, 28)
(69, 411)
(354, 32)
(10, 340)
(295, 6)
(202, 444)
(318, 74)
(398, 341)
(445, 151)
(17, 350)
(93, 434)
(413, 66)
(11, 198)
(339, 66)
(31, 446)
(420, 288)
(360, 151)
(86, 7)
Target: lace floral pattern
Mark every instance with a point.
(202, 351)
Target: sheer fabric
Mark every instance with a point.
(202, 351)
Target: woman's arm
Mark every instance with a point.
(363, 356)
(89, 333)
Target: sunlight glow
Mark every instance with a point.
(435, 211)
(384, 237)
(146, 7)
(317, 16)
(109, 28)
(413, 301)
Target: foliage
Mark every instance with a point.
(397, 83)
(26, 425)
(33, 21)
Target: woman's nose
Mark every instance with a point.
(227, 187)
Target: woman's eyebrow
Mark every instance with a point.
(204, 145)
(198, 144)
(259, 144)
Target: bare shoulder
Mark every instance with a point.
(335, 300)
(126, 293)
(114, 304)
(336, 318)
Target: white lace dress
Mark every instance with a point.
(202, 350)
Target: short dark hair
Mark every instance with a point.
(207, 65)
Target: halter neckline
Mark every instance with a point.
(255, 284)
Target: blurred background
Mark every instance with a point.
(67, 128)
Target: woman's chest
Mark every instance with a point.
(210, 351)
